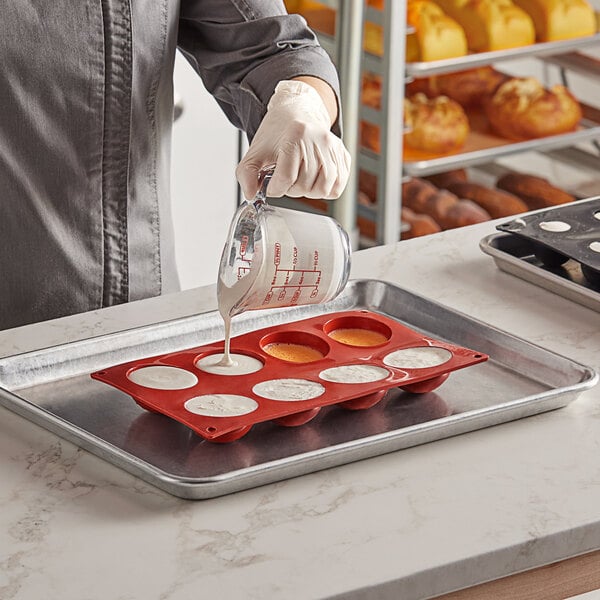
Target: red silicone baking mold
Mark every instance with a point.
(312, 332)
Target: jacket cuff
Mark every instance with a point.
(259, 85)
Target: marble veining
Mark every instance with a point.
(410, 524)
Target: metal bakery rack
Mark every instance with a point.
(391, 166)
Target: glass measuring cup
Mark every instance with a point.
(276, 257)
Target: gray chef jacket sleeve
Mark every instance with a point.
(243, 48)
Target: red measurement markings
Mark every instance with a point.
(242, 271)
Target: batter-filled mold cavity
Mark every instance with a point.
(162, 377)
(358, 373)
(239, 364)
(291, 390)
(220, 405)
(294, 346)
(288, 390)
(358, 331)
(419, 357)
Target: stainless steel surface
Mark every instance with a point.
(425, 69)
(512, 254)
(349, 25)
(576, 62)
(52, 388)
(389, 185)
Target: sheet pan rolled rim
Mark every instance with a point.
(586, 373)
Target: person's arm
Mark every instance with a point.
(243, 49)
(327, 95)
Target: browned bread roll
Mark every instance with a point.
(364, 200)
(415, 194)
(371, 90)
(419, 224)
(442, 180)
(536, 192)
(496, 202)
(422, 85)
(463, 212)
(438, 125)
(471, 87)
(369, 136)
(523, 109)
(437, 206)
(367, 183)
(442, 206)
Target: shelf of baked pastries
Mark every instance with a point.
(477, 59)
(483, 145)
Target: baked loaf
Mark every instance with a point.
(447, 210)
(416, 192)
(364, 199)
(496, 202)
(438, 206)
(536, 192)
(436, 35)
(470, 88)
(560, 19)
(442, 180)
(523, 109)
(418, 224)
(371, 90)
(369, 136)
(491, 24)
(373, 38)
(438, 125)
(462, 213)
(367, 183)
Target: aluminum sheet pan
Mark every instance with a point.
(52, 388)
(436, 67)
(513, 255)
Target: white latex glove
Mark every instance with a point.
(295, 135)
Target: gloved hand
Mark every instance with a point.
(295, 135)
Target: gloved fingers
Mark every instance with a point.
(310, 162)
(308, 172)
(343, 161)
(317, 175)
(326, 178)
(333, 166)
(247, 176)
(288, 165)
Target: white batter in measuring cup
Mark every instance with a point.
(277, 257)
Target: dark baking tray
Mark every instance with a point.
(52, 388)
(514, 255)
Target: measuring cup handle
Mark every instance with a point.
(264, 176)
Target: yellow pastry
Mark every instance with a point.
(560, 19)
(373, 38)
(436, 36)
(437, 125)
(491, 24)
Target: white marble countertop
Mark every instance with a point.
(411, 524)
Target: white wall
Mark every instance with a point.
(202, 179)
